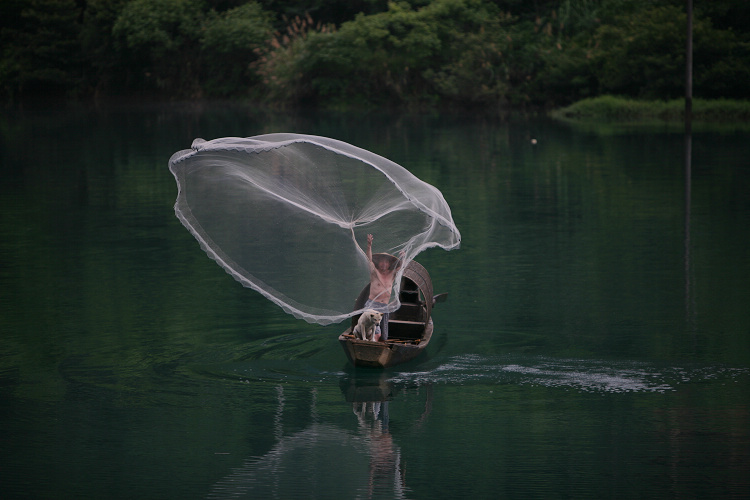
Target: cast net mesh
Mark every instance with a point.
(288, 216)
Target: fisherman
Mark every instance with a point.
(383, 271)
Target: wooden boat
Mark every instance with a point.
(409, 328)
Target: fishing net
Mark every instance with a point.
(288, 215)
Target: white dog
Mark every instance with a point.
(367, 324)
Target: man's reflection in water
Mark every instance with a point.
(386, 473)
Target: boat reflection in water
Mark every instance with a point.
(325, 460)
(385, 469)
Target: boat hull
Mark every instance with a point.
(383, 354)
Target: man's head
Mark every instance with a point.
(384, 262)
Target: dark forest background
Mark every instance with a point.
(342, 53)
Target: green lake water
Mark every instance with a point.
(595, 342)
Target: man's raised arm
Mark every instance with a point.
(369, 249)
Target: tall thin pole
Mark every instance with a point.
(689, 306)
(689, 64)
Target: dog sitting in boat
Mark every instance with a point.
(367, 325)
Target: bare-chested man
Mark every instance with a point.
(382, 275)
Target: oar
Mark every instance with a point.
(441, 297)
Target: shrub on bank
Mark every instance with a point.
(620, 108)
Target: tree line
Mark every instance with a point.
(340, 53)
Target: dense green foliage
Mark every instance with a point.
(372, 52)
